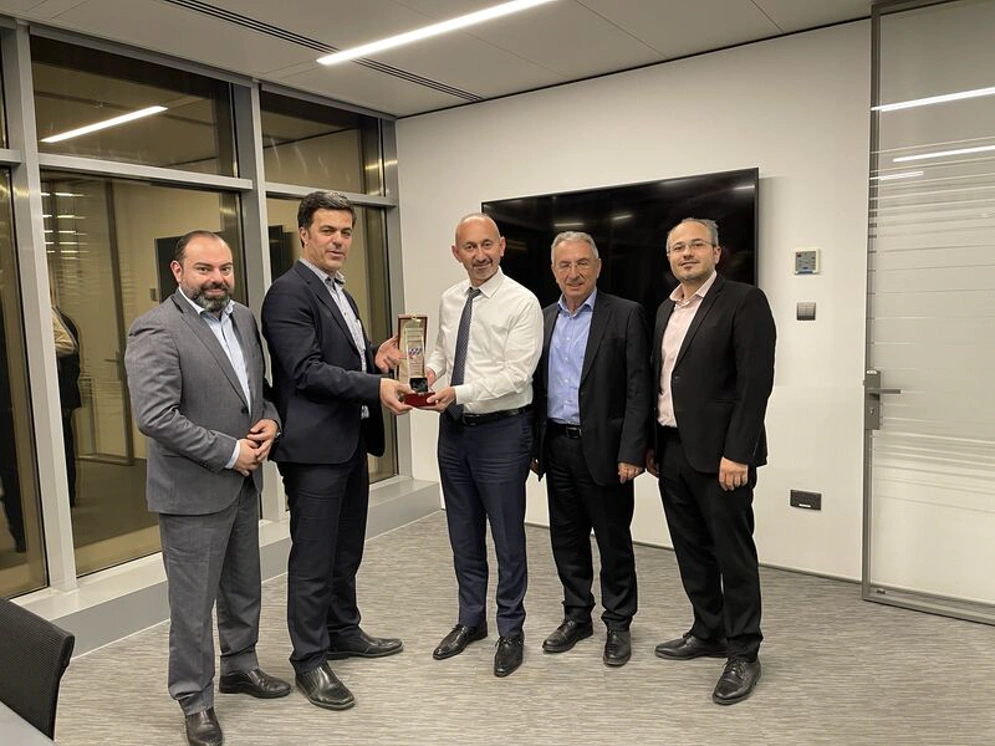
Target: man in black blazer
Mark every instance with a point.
(713, 361)
(328, 392)
(593, 403)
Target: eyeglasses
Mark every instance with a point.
(581, 264)
(697, 245)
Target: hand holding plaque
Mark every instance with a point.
(412, 335)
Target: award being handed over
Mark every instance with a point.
(412, 334)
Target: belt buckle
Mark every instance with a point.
(572, 431)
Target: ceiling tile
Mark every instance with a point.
(676, 28)
(19, 7)
(798, 15)
(363, 87)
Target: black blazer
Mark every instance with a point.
(723, 376)
(319, 386)
(614, 392)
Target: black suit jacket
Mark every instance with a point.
(319, 386)
(614, 392)
(723, 376)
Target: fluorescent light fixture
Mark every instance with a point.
(929, 101)
(743, 188)
(902, 175)
(426, 32)
(944, 154)
(113, 122)
(622, 216)
(569, 224)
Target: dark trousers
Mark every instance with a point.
(576, 505)
(712, 533)
(328, 509)
(483, 469)
(69, 439)
(207, 558)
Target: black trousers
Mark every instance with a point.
(576, 505)
(328, 510)
(712, 533)
(483, 470)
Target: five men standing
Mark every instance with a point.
(593, 407)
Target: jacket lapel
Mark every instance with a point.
(317, 287)
(706, 305)
(599, 321)
(206, 336)
(549, 323)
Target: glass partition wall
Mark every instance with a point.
(117, 154)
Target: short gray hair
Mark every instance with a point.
(713, 229)
(572, 236)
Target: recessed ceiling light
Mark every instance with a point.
(453, 24)
(943, 154)
(931, 100)
(113, 122)
(902, 175)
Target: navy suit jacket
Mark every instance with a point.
(319, 385)
(723, 376)
(615, 388)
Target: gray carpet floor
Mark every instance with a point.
(837, 670)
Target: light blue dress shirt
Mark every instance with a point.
(566, 360)
(224, 331)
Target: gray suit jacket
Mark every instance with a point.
(188, 401)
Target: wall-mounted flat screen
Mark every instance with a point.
(629, 224)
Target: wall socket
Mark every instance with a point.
(807, 500)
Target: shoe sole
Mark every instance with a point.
(327, 705)
(685, 657)
(453, 654)
(617, 662)
(740, 698)
(578, 638)
(252, 692)
(339, 655)
(501, 674)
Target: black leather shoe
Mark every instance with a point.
(203, 729)
(256, 683)
(618, 647)
(566, 636)
(322, 688)
(689, 646)
(456, 641)
(508, 655)
(736, 682)
(362, 645)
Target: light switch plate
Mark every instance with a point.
(805, 311)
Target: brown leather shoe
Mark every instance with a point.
(323, 689)
(255, 683)
(456, 641)
(203, 729)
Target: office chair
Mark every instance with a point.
(34, 654)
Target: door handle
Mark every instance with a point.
(878, 392)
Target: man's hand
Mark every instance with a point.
(441, 399)
(430, 376)
(388, 355)
(651, 463)
(732, 474)
(248, 460)
(263, 434)
(391, 392)
(628, 472)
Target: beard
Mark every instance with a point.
(213, 304)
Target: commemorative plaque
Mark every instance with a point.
(412, 335)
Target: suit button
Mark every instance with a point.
(244, 410)
(676, 379)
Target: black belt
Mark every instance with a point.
(472, 420)
(667, 431)
(558, 428)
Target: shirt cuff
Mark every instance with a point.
(234, 456)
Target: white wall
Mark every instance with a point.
(797, 108)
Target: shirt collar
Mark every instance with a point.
(678, 294)
(588, 303)
(491, 286)
(227, 310)
(338, 278)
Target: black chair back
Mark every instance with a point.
(34, 654)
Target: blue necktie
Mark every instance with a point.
(462, 342)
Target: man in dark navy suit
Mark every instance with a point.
(713, 361)
(328, 390)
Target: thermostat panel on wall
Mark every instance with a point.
(808, 261)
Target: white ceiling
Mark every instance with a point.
(562, 41)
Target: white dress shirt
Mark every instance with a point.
(504, 346)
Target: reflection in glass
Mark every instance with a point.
(76, 87)
(109, 244)
(366, 274)
(22, 559)
(310, 144)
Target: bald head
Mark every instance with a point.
(479, 247)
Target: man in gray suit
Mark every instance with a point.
(195, 371)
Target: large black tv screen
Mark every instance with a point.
(629, 224)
